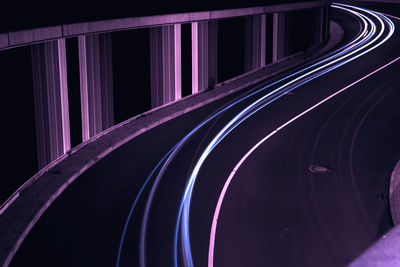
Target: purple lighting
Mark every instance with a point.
(278, 48)
(51, 100)
(255, 42)
(204, 54)
(165, 63)
(96, 83)
(268, 136)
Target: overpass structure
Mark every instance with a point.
(48, 50)
(338, 208)
(96, 88)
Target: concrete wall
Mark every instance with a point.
(226, 45)
(26, 37)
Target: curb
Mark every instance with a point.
(385, 251)
(394, 194)
(23, 209)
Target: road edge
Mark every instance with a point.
(23, 209)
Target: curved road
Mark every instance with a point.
(273, 210)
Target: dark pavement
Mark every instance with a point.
(276, 212)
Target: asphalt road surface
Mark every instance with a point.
(276, 212)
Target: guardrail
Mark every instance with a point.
(32, 36)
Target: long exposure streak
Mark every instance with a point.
(243, 159)
(366, 41)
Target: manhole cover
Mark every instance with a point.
(319, 168)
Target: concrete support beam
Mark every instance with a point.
(278, 33)
(165, 64)
(255, 42)
(204, 55)
(96, 82)
(51, 100)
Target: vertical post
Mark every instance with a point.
(321, 20)
(204, 55)
(322, 24)
(255, 38)
(51, 100)
(165, 64)
(327, 22)
(177, 62)
(195, 57)
(263, 40)
(278, 33)
(96, 82)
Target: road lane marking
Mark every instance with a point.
(243, 159)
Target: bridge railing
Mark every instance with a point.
(266, 32)
(32, 36)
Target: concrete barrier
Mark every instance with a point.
(394, 194)
(23, 209)
(27, 37)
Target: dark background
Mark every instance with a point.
(18, 15)
(131, 67)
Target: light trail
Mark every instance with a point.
(241, 117)
(329, 56)
(364, 37)
(134, 205)
(244, 158)
(185, 217)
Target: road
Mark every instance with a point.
(274, 212)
